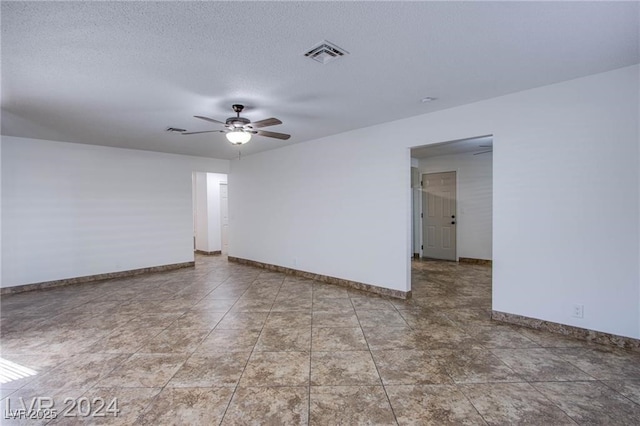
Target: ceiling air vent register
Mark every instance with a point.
(325, 52)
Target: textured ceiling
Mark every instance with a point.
(119, 73)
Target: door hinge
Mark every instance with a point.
(422, 215)
(421, 183)
(421, 247)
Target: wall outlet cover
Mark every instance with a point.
(578, 311)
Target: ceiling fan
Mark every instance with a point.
(239, 129)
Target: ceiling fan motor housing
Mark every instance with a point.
(237, 121)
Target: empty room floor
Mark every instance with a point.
(232, 344)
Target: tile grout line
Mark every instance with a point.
(491, 350)
(608, 366)
(82, 352)
(235, 388)
(374, 363)
(553, 403)
(233, 394)
(162, 388)
(310, 355)
(459, 388)
(446, 371)
(618, 392)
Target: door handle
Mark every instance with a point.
(453, 222)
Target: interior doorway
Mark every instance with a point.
(439, 215)
(210, 213)
(469, 199)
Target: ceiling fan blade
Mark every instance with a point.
(276, 135)
(206, 131)
(483, 152)
(208, 119)
(266, 122)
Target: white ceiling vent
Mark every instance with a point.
(325, 52)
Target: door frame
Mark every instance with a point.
(222, 248)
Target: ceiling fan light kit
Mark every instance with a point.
(240, 129)
(238, 137)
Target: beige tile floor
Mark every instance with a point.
(230, 344)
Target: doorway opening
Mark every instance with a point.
(452, 196)
(210, 213)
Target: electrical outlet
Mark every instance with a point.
(578, 311)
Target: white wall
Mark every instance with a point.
(565, 206)
(73, 210)
(337, 206)
(566, 210)
(0, 212)
(474, 200)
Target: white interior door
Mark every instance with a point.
(439, 215)
(224, 217)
